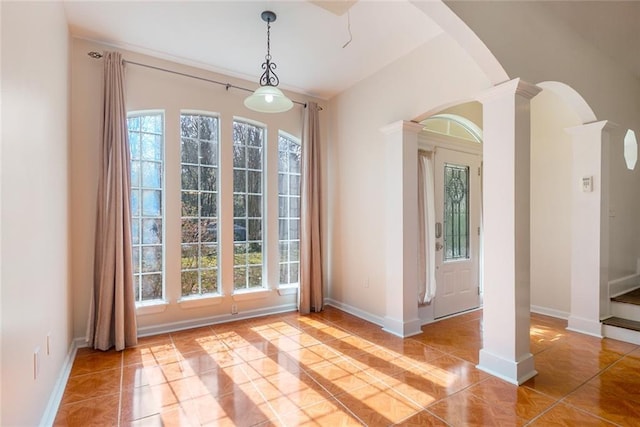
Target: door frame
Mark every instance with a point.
(431, 141)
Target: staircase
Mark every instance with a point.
(624, 325)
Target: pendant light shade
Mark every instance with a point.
(268, 98)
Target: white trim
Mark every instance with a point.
(145, 331)
(433, 141)
(288, 290)
(194, 302)
(515, 372)
(623, 285)
(143, 308)
(401, 328)
(55, 398)
(250, 295)
(365, 315)
(585, 326)
(621, 334)
(552, 312)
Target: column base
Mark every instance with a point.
(515, 372)
(402, 329)
(585, 326)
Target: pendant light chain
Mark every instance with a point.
(269, 77)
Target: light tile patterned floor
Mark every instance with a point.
(333, 369)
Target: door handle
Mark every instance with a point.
(438, 230)
(438, 246)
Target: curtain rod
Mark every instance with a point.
(98, 55)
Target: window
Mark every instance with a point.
(453, 125)
(147, 169)
(289, 165)
(248, 144)
(199, 195)
(456, 212)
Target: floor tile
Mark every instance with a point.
(377, 404)
(100, 411)
(88, 386)
(563, 415)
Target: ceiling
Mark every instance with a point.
(611, 26)
(307, 38)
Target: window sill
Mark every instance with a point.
(249, 295)
(195, 302)
(288, 290)
(153, 307)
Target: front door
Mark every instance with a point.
(457, 201)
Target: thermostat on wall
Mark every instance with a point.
(587, 184)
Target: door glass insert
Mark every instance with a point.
(456, 212)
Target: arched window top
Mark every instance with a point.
(453, 125)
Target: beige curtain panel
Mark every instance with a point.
(426, 229)
(310, 295)
(112, 317)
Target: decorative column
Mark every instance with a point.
(589, 226)
(506, 210)
(401, 199)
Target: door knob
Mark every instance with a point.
(438, 246)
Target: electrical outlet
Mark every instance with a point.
(49, 344)
(234, 308)
(36, 363)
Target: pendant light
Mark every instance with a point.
(268, 98)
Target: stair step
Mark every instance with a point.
(622, 323)
(632, 297)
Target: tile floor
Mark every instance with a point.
(333, 369)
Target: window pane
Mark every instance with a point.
(151, 203)
(151, 231)
(189, 203)
(199, 204)
(146, 143)
(151, 287)
(208, 178)
(151, 174)
(189, 150)
(289, 167)
(189, 256)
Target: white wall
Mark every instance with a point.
(436, 74)
(151, 89)
(551, 203)
(34, 243)
(624, 205)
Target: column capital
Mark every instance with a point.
(511, 87)
(401, 126)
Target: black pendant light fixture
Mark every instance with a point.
(268, 98)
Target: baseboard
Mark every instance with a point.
(212, 320)
(55, 398)
(355, 311)
(552, 312)
(585, 326)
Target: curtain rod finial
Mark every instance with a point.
(95, 55)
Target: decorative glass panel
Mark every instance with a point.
(289, 166)
(146, 142)
(456, 212)
(199, 157)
